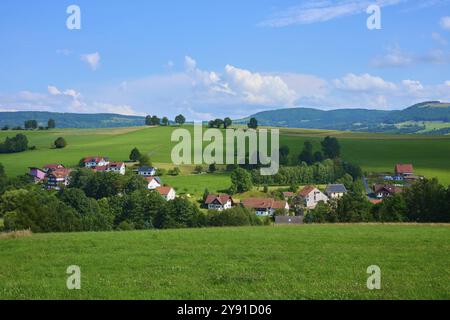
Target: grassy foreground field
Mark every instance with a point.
(307, 262)
(373, 152)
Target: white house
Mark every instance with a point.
(92, 162)
(219, 202)
(312, 196)
(146, 171)
(167, 192)
(335, 191)
(265, 206)
(116, 167)
(153, 183)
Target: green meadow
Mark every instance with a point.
(305, 262)
(373, 152)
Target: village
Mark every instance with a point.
(384, 185)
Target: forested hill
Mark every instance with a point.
(70, 120)
(410, 120)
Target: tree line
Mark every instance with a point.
(103, 202)
(156, 121)
(424, 201)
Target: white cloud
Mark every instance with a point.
(256, 88)
(447, 83)
(364, 82)
(313, 11)
(413, 86)
(92, 59)
(439, 38)
(445, 23)
(53, 90)
(395, 57)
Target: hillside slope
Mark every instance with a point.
(70, 120)
(360, 119)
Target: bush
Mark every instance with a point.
(60, 143)
(237, 216)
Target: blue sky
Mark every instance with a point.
(218, 58)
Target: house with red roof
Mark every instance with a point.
(92, 162)
(404, 170)
(219, 202)
(265, 206)
(311, 196)
(167, 192)
(58, 179)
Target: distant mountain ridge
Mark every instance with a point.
(409, 120)
(70, 120)
(419, 118)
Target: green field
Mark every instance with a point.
(306, 262)
(373, 152)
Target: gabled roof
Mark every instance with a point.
(60, 173)
(222, 199)
(164, 191)
(306, 191)
(115, 164)
(389, 188)
(150, 179)
(279, 204)
(94, 159)
(288, 194)
(336, 188)
(404, 168)
(145, 168)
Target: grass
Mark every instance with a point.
(373, 152)
(289, 262)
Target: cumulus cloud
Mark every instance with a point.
(395, 57)
(413, 86)
(363, 82)
(92, 59)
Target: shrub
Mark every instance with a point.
(60, 143)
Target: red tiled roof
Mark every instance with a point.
(288, 194)
(404, 168)
(116, 164)
(223, 198)
(164, 191)
(375, 201)
(306, 190)
(93, 159)
(279, 204)
(61, 173)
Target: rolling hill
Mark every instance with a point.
(409, 120)
(70, 120)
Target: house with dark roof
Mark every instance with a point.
(146, 171)
(311, 196)
(385, 190)
(265, 206)
(335, 191)
(153, 183)
(219, 202)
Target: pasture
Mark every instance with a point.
(373, 152)
(275, 262)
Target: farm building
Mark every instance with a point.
(335, 191)
(167, 192)
(58, 179)
(404, 170)
(311, 196)
(219, 202)
(264, 206)
(92, 162)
